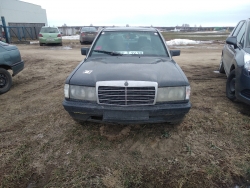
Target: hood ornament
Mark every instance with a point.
(126, 83)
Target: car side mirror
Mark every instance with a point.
(84, 51)
(61, 33)
(232, 41)
(175, 52)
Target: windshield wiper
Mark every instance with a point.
(108, 52)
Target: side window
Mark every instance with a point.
(248, 36)
(236, 30)
(241, 34)
(242, 41)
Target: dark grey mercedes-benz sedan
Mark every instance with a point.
(128, 76)
(235, 62)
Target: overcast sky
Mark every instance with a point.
(144, 12)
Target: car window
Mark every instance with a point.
(236, 30)
(49, 30)
(142, 43)
(89, 29)
(241, 34)
(248, 36)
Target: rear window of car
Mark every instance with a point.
(130, 43)
(88, 29)
(49, 30)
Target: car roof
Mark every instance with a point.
(130, 29)
(49, 27)
(88, 26)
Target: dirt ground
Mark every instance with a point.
(41, 146)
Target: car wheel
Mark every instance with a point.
(41, 44)
(81, 43)
(221, 68)
(5, 81)
(60, 44)
(230, 86)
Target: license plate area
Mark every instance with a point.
(128, 116)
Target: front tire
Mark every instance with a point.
(5, 81)
(230, 86)
(221, 68)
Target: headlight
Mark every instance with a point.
(82, 93)
(66, 90)
(173, 94)
(247, 61)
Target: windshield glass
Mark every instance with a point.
(140, 43)
(248, 37)
(49, 30)
(89, 29)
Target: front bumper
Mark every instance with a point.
(50, 40)
(242, 86)
(17, 67)
(89, 111)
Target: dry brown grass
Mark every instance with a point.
(41, 146)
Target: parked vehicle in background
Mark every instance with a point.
(128, 76)
(10, 59)
(88, 34)
(50, 35)
(235, 62)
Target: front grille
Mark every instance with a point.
(126, 96)
(246, 93)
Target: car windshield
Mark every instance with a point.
(130, 43)
(248, 37)
(89, 29)
(49, 30)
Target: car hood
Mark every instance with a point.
(164, 71)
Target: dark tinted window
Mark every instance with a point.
(89, 29)
(236, 30)
(49, 30)
(241, 34)
(141, 43)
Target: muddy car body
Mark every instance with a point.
(10, 59)
(128, 80)
(235, 62)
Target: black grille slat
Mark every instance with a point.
(126, 95)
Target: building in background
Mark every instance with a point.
(23, 20)
(18, 13)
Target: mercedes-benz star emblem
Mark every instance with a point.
(126, 83)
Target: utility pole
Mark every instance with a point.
(5, 30)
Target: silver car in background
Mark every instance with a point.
(87, 34)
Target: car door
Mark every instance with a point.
(229, 51)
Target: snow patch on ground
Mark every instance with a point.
(185, 42)
(34, 42)
(73, 37)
